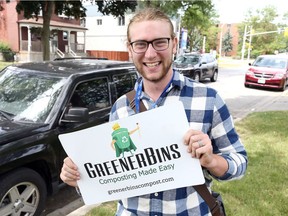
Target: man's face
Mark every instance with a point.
(152, 65)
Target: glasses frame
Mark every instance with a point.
(150, 42)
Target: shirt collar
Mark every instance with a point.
(177, 81)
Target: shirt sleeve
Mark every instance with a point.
(227, 143)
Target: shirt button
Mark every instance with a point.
(156, 194)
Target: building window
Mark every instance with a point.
(83, 22)
(99, 21)
(121, 21)
(65, 35)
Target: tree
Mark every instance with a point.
(227, 43)
(265, 21)
(75, 8)
(199, 19)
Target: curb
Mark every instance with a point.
(69, 209)
(75, 208)
(82, 211)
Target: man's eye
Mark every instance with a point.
(140, 44)
(160, 43)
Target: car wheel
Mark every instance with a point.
(283, 87)
(22, 192)
(246, 85)
(215, 76)
(197, 77)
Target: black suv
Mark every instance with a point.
(39, 101)
(197, 66)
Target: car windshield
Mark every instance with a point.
(270, 62)
(28, 96)
(187, 59)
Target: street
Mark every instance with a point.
(241, 100)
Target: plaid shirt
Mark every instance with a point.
(205, 111)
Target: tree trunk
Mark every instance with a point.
(45, 37)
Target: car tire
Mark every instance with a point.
(22, 192)
(214, 77)
(283, 87)
(197, 77)
(246, 85)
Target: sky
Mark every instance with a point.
(232, 11)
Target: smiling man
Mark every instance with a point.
(211, 138)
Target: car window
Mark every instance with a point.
(209, 58)
(189, 60)
(124, 83)
(270, 62)
(204, 59)
(93, 94)
(28, 96)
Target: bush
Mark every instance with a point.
(8, 54)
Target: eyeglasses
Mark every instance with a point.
(159, 44)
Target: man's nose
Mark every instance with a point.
(150, 51)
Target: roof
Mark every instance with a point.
(53, 23)
(71, 66)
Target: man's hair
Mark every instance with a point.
(150, 14)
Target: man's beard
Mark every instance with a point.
(156, 79)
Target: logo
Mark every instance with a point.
(121, 140)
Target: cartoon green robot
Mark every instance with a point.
(121, 140)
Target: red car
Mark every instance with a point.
(269, 71)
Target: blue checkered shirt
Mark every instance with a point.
(205, 111)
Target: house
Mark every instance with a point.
(106, 35)
(24, 38)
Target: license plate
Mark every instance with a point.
(261, 81)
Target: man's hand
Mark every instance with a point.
(69, 172)
(200, 146)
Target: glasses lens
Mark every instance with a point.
(140, 46)
(160, 44)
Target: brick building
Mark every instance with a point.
(24, 38)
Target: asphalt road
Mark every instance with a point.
(64, 202)
(240, 101)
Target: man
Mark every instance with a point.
(212, 137)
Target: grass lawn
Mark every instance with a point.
(263, 191)
(4, 64)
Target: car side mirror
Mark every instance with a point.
(76, 115)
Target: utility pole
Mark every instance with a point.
(250, 34)
(250, 40)
(244, 41)
(204, 43)
(220, 41)
(180, 13)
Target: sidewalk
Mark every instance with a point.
(75, 208)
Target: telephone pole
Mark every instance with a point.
(250, 34)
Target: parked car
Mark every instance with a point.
(80, 57)
(197, 66)
(39, 101)
(269, 71)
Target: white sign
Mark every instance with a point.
(133, 156)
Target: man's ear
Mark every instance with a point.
(175, 45)
(129, 50)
